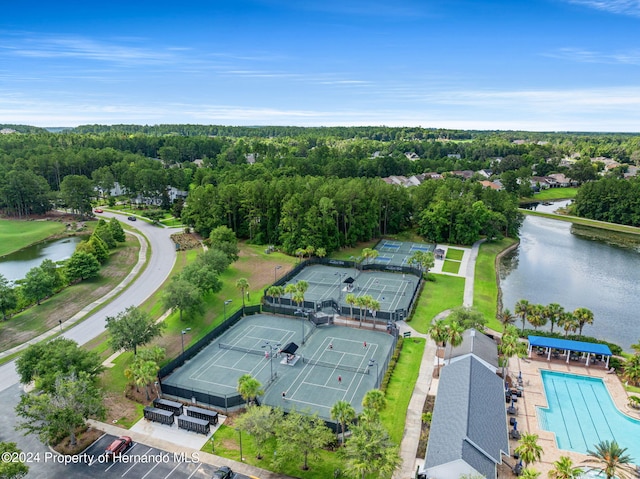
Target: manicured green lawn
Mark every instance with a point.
(485, 294)
(18, 234)
(552, 194)
(446, 292)
(455, 254)
(451, 266)
(401, 386)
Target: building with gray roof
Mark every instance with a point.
(477, 344)
(468, 432)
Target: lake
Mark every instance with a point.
(14, 266)
(577, 267)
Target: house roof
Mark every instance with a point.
(469, 418)
(478, 344)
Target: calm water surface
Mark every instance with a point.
(15, 265)
(553, 265)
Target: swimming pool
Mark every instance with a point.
(581, 413)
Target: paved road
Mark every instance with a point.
(163, 256)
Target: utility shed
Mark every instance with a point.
(468, 430)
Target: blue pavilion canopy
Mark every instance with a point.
(568, 344)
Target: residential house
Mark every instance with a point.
(490, 184)
(411, 156)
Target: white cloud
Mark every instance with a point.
(631, 57)
(620, 7)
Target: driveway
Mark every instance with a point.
(162, 258)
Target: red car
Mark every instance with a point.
(118, 446)
(98, 210)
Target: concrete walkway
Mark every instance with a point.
(470, 274)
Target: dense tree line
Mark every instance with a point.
(293, 186)
(610, 199)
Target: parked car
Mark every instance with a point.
(118, 446)
(224, 473)
(131, 218)
(98, 210)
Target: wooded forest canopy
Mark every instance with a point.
(300, 187)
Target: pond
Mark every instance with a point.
(14, 266)
(557, 262)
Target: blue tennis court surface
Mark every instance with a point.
(397, 253)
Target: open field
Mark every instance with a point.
(18, 234)
(552, 194)
(444, 292)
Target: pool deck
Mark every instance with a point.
(533, 396)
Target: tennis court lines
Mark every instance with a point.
(323, 285)
(387, 291)
(230, 362)
(332, 383)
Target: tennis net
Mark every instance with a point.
(259, 352)
(343, 367)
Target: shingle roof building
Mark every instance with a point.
(468, 431)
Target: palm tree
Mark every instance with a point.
(290, 289)
(529, 450)
(275, 292)
(243, 285)
(300, 252)
(249, 388)
(454, 335)
(375, 402)
(611, 460)
(632, 370)
(522, 309)
(554, 312)
(568, 322)
(506, 318)
(438, 332)
(298, 297)
(583, 316)
(351, 300)
(374, 305)
(344, 413)
(563, 468)
(321, 252)
(361, 303)
(369, 254)
(510, 345)
(528, 473)
(537, 316)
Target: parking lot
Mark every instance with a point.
(141, 462)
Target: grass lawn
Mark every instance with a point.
(451, 266)
(18, 234)
(401, 387)
(552, 194)
(585, 221)
(446, 292)
(485, 291)
(71, 300)
(455, 254)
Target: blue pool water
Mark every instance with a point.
(581, 413)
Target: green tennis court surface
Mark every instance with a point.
(334, 363)
(398, 252)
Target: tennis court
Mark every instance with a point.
(331, 364)
(392, 290)
(398, 252)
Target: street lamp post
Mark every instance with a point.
(60, 323)
(371, 363)
(224, 314)
(271, 347)
(184, 331)
(275, 273)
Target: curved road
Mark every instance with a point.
(161, 261)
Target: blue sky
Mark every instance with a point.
(472, 64)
